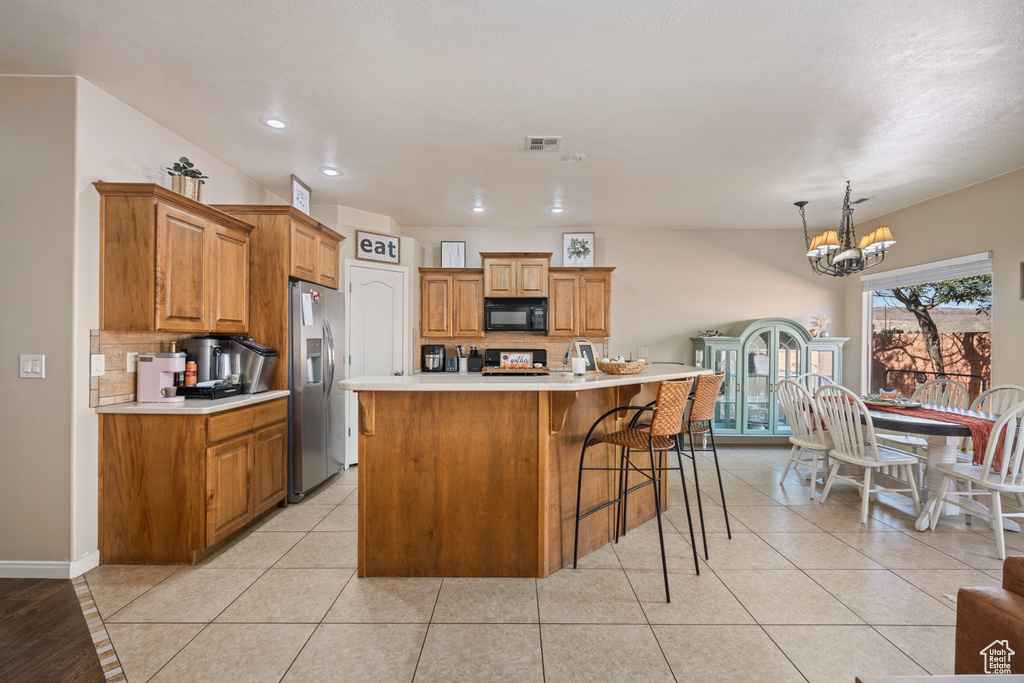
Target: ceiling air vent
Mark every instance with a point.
(543, 143)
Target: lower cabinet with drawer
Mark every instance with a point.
(174, 486)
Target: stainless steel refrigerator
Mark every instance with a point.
(316, 418)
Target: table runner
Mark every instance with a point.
(979, 426)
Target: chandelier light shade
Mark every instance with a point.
(837, 252)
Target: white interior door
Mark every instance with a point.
(377, 330)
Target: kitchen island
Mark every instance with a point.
(470, 475)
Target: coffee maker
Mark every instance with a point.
(432, 358)
(156, 377)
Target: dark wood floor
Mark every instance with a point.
(43, 635)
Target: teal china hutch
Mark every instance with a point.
(755, 355)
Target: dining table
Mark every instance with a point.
(944, 439)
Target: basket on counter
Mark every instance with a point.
(628, 368)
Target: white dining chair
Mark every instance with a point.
(984, 481)
(808, 436)
(812, 381)
(995, 401)
(854, 441)
(940, 392)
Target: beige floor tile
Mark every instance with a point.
(940, 583)
(481, 652)
(841, 653)
(643, 551)
(896, 550)
(487, 601)
(767, 476)
(343, 518)
(115, 585)
(352, 498)
(331, 494)
(336, 549)
(359, 652)
(773, 518)
(933, 648)
(839, 518)
(724, 653)
(602, 558)
(238, 652)
(696, 599)
(288, 595)
(742, 495)
(714, 519)
(597, 596)
(880, 597)
(818, 551)
(595, 653)
(191, 595)
(977, 550)
(143, 648)
(782, 596)
(798, 494)
(301, 517)
(743, 551)
(257, 550)
(903, 518)
(385, 600)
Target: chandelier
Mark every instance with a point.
(837, 253)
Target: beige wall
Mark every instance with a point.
(668, 284)
(37, 270)
(988, 216)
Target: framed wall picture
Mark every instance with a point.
(374, 246)
(300, 195)
(453, 254)
(585, 350)
(578, 249)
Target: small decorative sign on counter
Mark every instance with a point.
(373, 246)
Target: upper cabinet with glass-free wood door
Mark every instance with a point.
(451, 302)
(516, 274)
(170, 263)
(579, 302)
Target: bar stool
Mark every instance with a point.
(698, 422)
(659, 437)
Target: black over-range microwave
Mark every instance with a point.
(529, 315)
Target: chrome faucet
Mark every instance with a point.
(568, 350)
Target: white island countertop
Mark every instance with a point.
(193, 406)
(556, 381)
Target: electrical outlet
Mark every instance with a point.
(97, 365)
(133, 362)
(32, 366)
(642, 352)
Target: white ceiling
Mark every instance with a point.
(692, 113)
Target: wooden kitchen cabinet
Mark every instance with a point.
(172, 487)
(170, 263)
(579, 302)
(451, 302)
(516, 274)
(285, 243)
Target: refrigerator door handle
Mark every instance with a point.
(329, 338)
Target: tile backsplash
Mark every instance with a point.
(117, 385)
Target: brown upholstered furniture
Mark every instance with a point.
(987, 616)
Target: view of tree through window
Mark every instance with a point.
(920, 332)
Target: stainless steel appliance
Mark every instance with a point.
(254, 363)
(316, 420)
(433, 358)
(527, 315)
(205, 351)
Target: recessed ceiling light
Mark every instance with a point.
(478, 209)
(574, 157)
(330, 171)
(556, 209)
(275, 123)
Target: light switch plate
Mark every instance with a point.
(133, 362)
(32, 366)
(97, 365)
(642, 352)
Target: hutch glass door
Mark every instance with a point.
(772, 355)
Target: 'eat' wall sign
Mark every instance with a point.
(372, 246)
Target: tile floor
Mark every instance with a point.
(802, 591)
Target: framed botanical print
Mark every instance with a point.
(578, 249)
